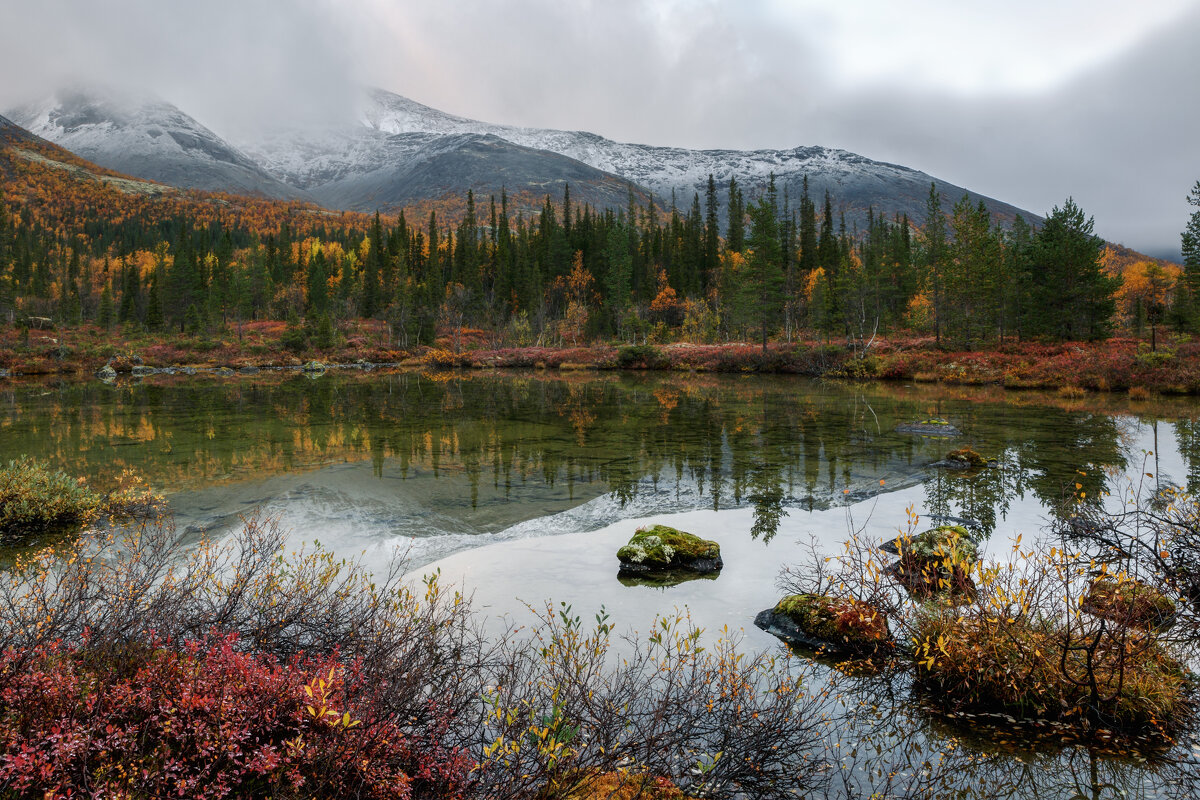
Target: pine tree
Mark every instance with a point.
(935, 255)
(104, 316)
(1190, 240)
(735, 237)
(763, 282)
(371, 298)
(154, 306)
(1071, 296)
(712, 233)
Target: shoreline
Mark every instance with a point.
(1116, 365)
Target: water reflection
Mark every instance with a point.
(539, 440)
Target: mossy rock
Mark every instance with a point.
(106, 373)
(935, 544)
(314, 366)
(965, 458)
(1130, 603)
(934, 426)
(932, 580)
(829, 625)
(664, 549)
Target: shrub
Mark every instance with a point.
(1139, 393)
(836, 619)
(1129, 602)
(1035, 668)
(201, 719)
(543, 712)
(645, 356)
(1039, 634)
(34, 498)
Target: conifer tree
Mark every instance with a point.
(1071, 296)
(763, 282)
(735, 237)
(1190, 240)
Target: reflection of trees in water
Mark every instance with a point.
(767, 441)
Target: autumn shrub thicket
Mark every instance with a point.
(35, 498)
(137, 661)
(1029, 639)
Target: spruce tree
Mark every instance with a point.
(712, 233)
(935, 255)
(1191, 257)
(763, 282)
(735, 237)
(1071, 296)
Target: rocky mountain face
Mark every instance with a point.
(854, 182)
(398, 152)
(147, 138)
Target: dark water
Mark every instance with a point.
(522, 486)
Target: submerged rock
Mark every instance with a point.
(660, 549)
(106, 373)
(248, 370)
(965, 458)
(140, 371)
(830, 625)
(934, 426)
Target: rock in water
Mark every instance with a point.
(935, 427)
(664, 549)
(830, 625)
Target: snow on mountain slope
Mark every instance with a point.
(146, 137)
(854, 182)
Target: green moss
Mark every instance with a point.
(662, 547)
(1129, 602)
(835, 619)
(936, 544)
(34, 498)
(967, 456)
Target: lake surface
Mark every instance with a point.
(521, 486)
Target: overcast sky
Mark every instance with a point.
(1028, 101)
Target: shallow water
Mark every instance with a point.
(520, 487)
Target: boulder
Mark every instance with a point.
(248, 370)
(922, 568)
(965, 458)
(935, 544)
(140, 371)
(314, 366)
(106, 373)
(660, 549)
(829, 625)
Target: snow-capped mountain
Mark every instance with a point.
(145, 137)
(388, 122)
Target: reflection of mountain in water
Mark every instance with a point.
(379, 456)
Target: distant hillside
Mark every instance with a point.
(147, 138)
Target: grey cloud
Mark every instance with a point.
(695, 73)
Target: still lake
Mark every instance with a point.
(521, 486)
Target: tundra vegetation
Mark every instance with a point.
(86, 269)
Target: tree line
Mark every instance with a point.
(780, 268)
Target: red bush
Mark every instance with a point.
(204, 721)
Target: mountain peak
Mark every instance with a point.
(139, 134)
